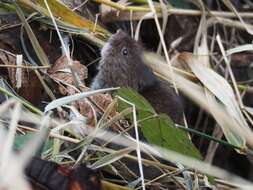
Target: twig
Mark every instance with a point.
(26, 67)
(210, 138)
(142, 10)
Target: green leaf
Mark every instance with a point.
(162, 132)
(132, 96)
(62, 13)
(158, 129)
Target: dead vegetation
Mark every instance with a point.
(48, 55)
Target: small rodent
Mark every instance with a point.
(121, 65)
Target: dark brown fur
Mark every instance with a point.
(128, 70)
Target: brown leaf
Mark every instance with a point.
(62, 75)
(103, 100)
(87, 109)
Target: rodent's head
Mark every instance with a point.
(121, 49)
(121, 64)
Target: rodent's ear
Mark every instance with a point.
(120, 33)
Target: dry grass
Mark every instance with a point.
(193, 73)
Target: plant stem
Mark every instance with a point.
(22, 101)
(222, 142)
(176, 11)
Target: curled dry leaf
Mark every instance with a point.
(61, 74)
(9, 60)
(87, 109)
(103, 100)
(217, 87)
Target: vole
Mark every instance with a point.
(121, 65)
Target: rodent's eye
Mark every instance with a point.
(124, 51)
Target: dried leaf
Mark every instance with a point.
(61, 74)
(63, 13)
(110, 158)
(89, 111)
(68, 99)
